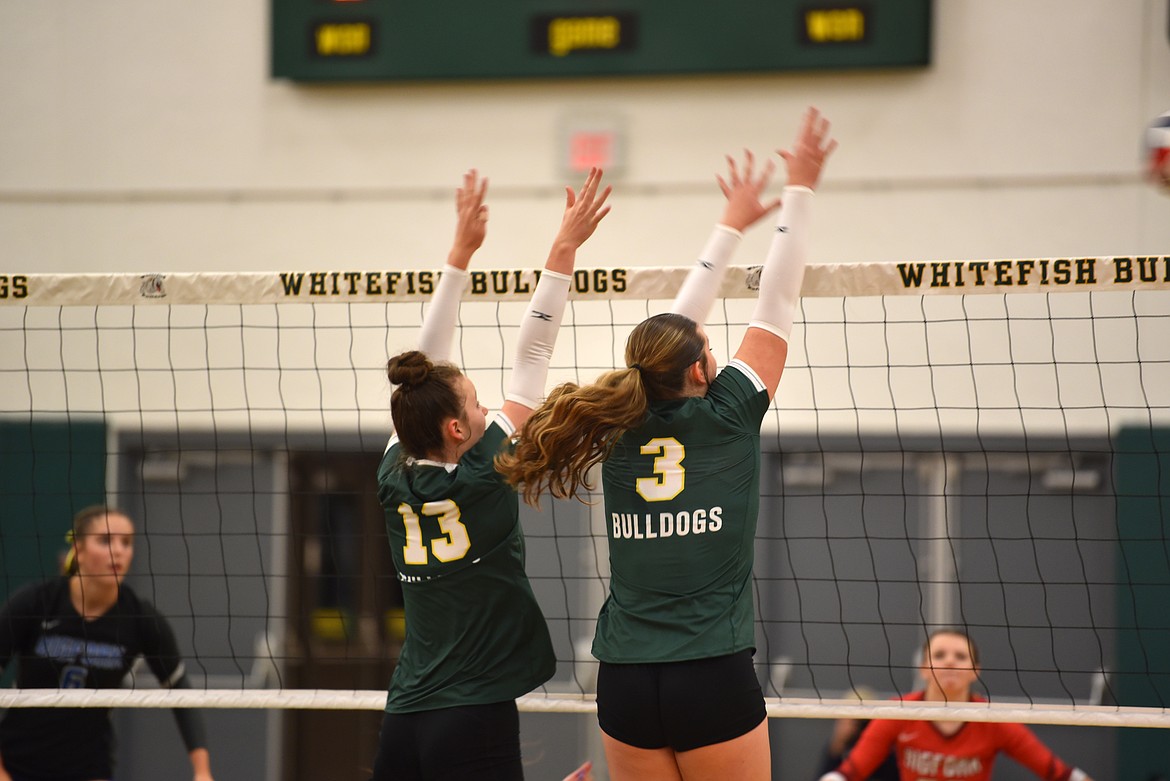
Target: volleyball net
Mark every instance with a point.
(974, 444)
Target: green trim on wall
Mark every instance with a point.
(1142, 673)
(48, 471)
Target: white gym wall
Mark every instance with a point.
(149, 137)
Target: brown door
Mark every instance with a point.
(344, 623)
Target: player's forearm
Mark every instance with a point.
(538, 335)
(701, 286)
(438, 328)
(783, 271)
(562, 258)
(200, 764)
(460, 257)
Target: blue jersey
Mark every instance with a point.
(58, 648)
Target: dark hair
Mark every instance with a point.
(959, 633)
(427, 394)
(82, 522)
(577, 426)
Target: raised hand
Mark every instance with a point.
(584, 210)
(744, 207)
(472, 214)
(809, 152)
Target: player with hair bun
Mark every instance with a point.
(475, 637)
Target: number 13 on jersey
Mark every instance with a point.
(454, 543)
(669, 475)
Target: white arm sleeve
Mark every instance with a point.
(834, 776)
(438, 326)
(538, 335)
(784, 265)
(698, 291)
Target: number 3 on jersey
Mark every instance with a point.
(451, 547)
(669, 475)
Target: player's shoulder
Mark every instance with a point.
(36, 597)
(480, 461)
(133, 604)
(747, 371)
(499, 431)
(391, 457)
(736, 390)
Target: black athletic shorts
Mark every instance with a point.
(480, 742)
(680, 705)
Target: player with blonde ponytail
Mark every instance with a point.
(678, 440)
(85, 631)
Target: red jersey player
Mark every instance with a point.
(952, 750)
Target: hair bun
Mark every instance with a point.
(409, 369)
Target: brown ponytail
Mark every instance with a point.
(574, 429)
(577, 427)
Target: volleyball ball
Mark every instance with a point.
(1158, 151)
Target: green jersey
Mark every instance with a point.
(681, 499)
(474, 632)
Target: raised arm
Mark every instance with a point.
(743, 209)
(765, 345)
(538, 331)
(438, 326)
